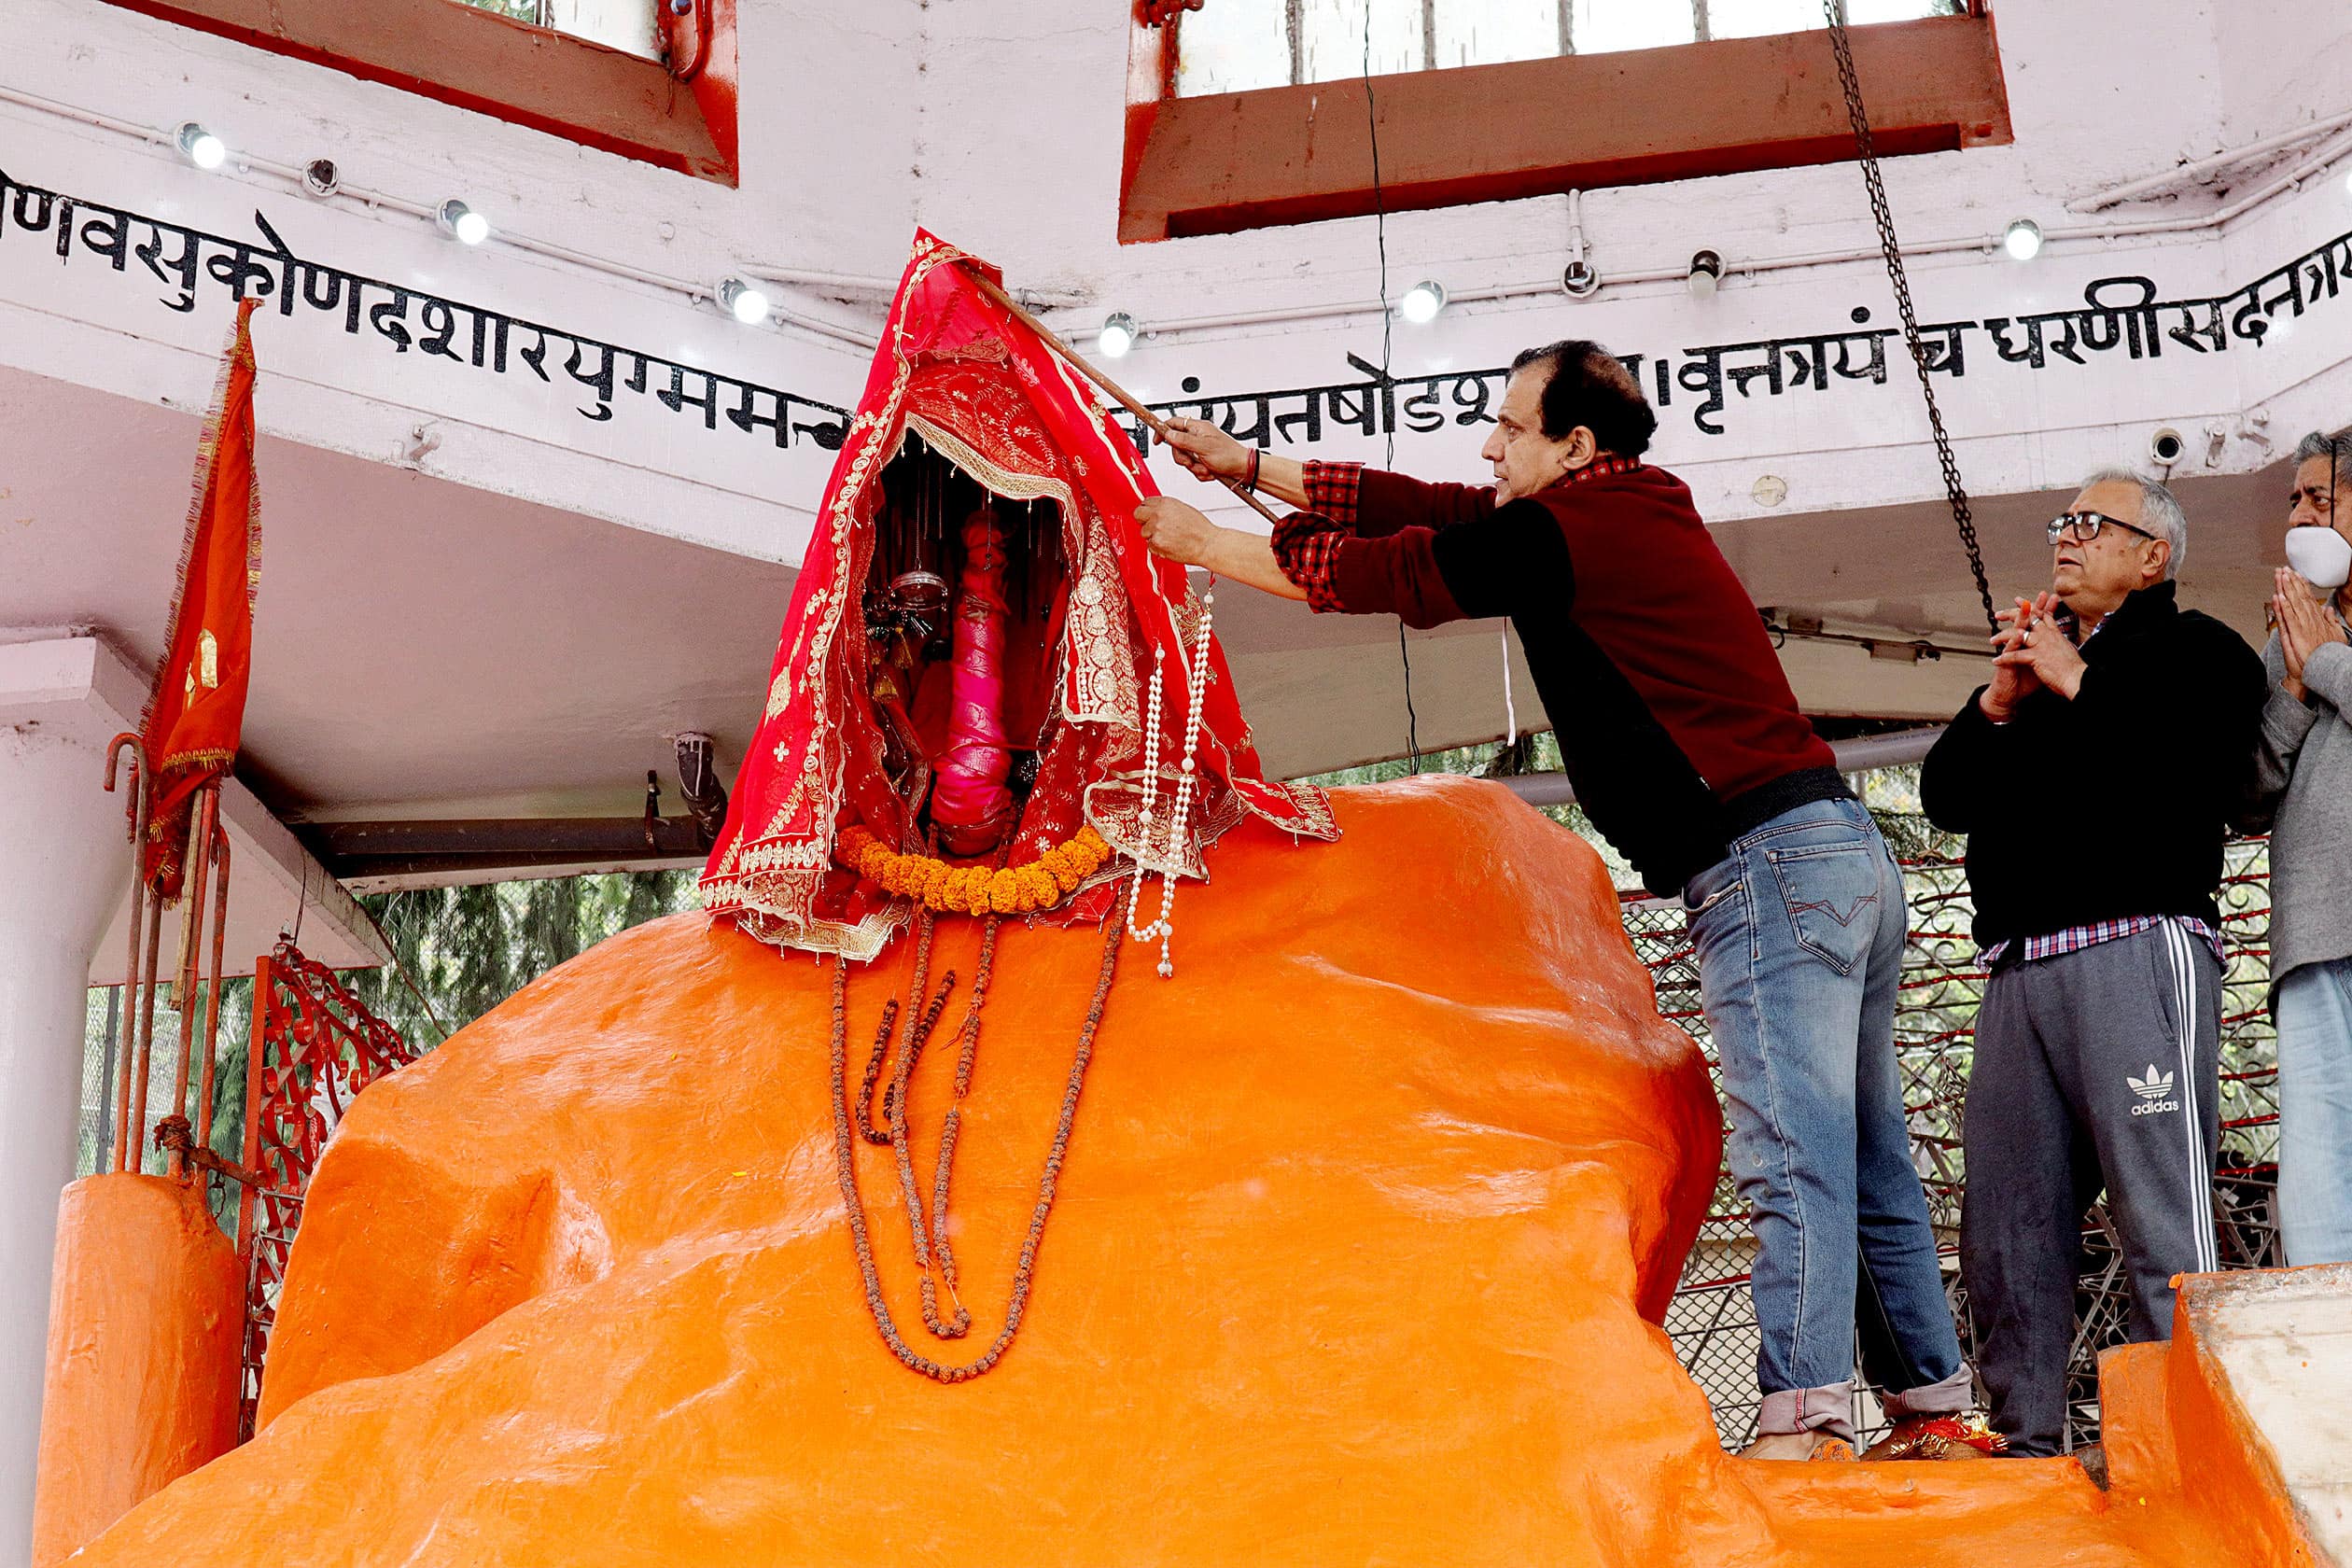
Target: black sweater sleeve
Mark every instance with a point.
(2190, 717)
(1964, 769)
(1483, 566)
(1510, 559)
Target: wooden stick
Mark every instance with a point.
(1119, 395)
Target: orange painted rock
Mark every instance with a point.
(1362, 1226)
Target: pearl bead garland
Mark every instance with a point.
(1189, 773)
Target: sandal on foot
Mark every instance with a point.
(1938, 1437)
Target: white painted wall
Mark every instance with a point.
(2276, 66)
(2094, 103)
(811, 135)
(998, 124)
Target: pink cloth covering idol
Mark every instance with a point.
(1003, 717)
(971, 802)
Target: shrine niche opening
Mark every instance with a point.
(965, 601)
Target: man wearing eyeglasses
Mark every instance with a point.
(1686, 747)
(2095, 776)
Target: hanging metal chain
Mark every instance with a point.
(1888, 246)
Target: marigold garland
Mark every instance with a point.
(954, 889)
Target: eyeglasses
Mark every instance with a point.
(2083, 527)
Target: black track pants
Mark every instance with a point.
(2094, 1070)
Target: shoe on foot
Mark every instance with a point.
(1938, 1437)
(1818, 1447)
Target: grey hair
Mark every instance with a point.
(2337, 447)
(2160, 512)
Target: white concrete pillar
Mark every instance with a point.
(64, 865)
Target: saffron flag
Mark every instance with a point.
(196, 713)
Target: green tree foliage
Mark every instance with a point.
(469, 948)
(514, 10)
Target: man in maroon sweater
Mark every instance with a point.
(1686, 751)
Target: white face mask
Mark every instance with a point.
(2320, 555)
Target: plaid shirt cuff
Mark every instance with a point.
(1331, 492)
(1307, 548)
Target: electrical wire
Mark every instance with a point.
(401, 968)
(293, 929)
(1388, 333)
(1510, 708)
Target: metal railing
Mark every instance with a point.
(1712, 1319)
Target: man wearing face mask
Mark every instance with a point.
(2095, 776)
(1687, 749)
(2303, 774)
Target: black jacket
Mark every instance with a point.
(2117, 802)
(1677, 724)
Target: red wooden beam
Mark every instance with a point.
(703, 55)
(1222, 163)
(567, 87)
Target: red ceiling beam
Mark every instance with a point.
(567, 87)
(1219, 164)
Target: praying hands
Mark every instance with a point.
(2304, 626)
(2030, 652)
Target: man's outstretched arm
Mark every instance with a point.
(1514, 556)
(1206, 451)
(1368, 502)
(1179, 533)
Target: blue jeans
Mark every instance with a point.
(1799, 936)
(2315, 1112)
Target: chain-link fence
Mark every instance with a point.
(107, 1052)
(1712, 1321)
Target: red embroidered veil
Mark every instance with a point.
(984, 391)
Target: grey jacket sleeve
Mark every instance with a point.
(2328, 674)
(2286, 721)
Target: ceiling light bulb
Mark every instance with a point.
(743, 301)
(462, 223)
(2023, 240)
(1118, 335)
(1706, 271)
(1422, 303)
(200, 147)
